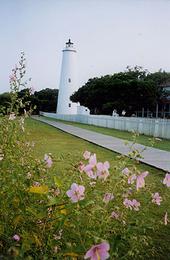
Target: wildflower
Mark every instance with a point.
(99, 251)
(127, 203)
(108, 197)
(131, 179)
(166, 218)
(90, 168)
(86, 155)
(140, 181)
(16, 237)
(166, 180)
(102, 170)
(48, 160)
(12, 116)
(156, 198)
(36, 184)
(126, 171)
(131, 204)
(115, 215)
(76, 192)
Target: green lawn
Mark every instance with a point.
(164, 144)
(67, 149)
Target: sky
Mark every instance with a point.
(109, 35)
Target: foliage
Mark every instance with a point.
(131, 90)
(92, 211)
(43, 100)
(5, 101)
(46, 100)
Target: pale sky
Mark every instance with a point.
(108, 35)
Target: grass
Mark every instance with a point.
(67, 149)
(164, 144)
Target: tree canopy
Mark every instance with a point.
(43, 100)
(131, 90)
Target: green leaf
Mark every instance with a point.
(39, 189)
(57, 182)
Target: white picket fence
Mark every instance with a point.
(148, 126)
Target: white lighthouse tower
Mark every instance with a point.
(68, 81)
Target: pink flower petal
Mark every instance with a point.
(93, 159)
(107, 164)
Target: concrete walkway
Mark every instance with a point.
(151, 156)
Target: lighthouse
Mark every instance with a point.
(68, 81)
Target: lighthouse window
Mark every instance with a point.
(69, 104)
(69, 80)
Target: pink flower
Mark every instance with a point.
(108, 197)
(156, 198)
(166, 218)
(131, 204)
(115, 215)
(98, 252)
(76, 192)
(86, 155)
(93, 160)
(131, 179)
(140, 181)
(126, 171)
(127, 203)
(166, 180)
(90, 169)
(16, 237)
(102, 170)
(48, 160)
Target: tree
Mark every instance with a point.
(130, 90)
(46, 100)
(5, 101)
(43, 100)
(160, 79)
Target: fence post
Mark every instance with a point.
(156, 130)
(141, 126)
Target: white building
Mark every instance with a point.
(68, 81)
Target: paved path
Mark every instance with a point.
(151, 156)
